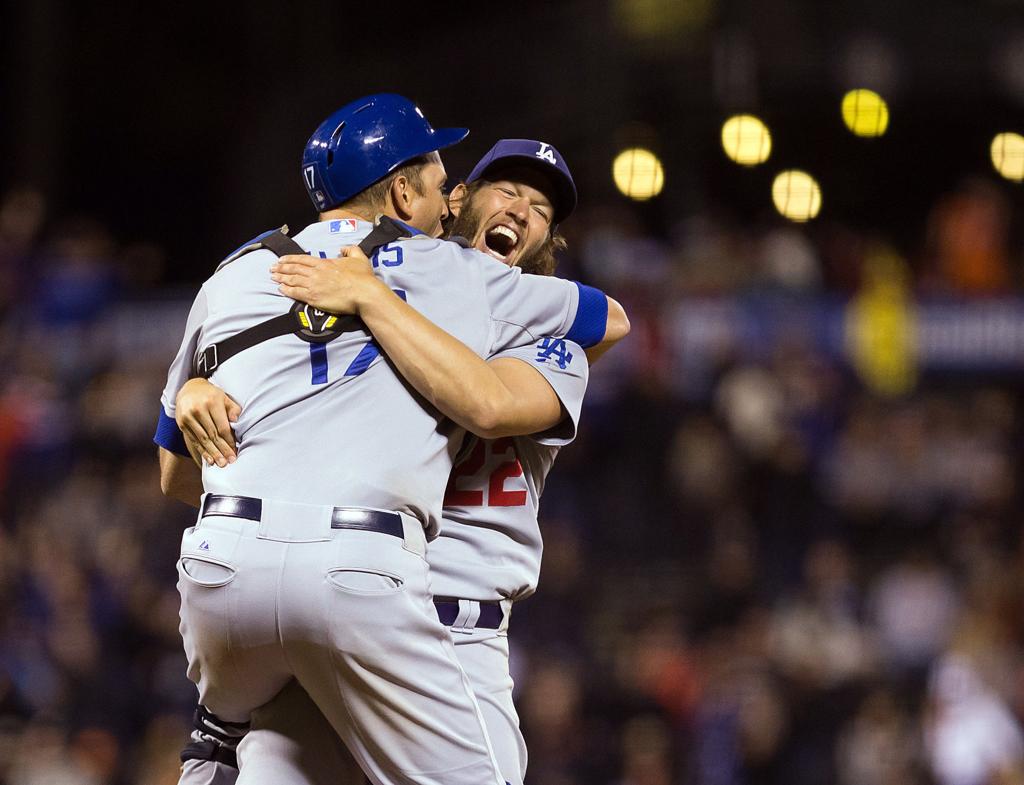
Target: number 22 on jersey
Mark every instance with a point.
(479, 480)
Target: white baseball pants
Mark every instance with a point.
(348, 615)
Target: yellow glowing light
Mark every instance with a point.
(1008, 156)
(638, 174)
(746, 139)
(881, 325)
(797, 195)
(865, 113)
(662, 20)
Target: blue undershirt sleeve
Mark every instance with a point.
(169, 436)
(591, 317)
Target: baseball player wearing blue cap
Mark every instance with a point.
(488, 551)
(306, 562)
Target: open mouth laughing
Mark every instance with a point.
(501, 241)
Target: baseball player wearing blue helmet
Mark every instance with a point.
(291, 567)
(365, 141)
(488, 551)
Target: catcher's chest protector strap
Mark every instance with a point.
(304, 321)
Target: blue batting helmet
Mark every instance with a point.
(363, 142)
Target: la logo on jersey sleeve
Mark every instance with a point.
(554, 349)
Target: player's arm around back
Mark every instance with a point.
(616, 329)
(180, 475)
(180, 478)
(526, 307)
(488, 399)
(503, 398)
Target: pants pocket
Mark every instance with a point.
(365, 581)
(206, 572)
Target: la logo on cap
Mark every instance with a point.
(545, 153)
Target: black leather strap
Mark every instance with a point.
(386, 231)
(357, 518)
(281, 244)
(233, 506)
(212, 356)
(216, 354)
(367, 520)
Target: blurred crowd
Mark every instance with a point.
(775, 569)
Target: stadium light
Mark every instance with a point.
(865, 113)
(746, 140)
(638, 174)
(797, 195)
(1008, 155)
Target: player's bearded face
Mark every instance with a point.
(508, 219)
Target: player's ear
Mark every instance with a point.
(455, 199)
(402, 196)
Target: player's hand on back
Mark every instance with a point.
(195, 450)
(342, 285)
(204, 413)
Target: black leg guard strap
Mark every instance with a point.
(209, 724)
(208, 749)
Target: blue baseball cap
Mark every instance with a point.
(537, 155)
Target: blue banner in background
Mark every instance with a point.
(967, 335)
(699, 333)
(981, 336)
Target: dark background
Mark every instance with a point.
(184, 123)
(786, 546)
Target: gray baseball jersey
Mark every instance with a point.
(361, 436)
(490, 544)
